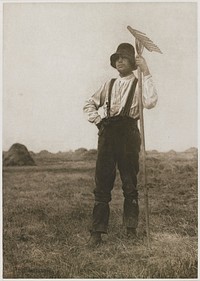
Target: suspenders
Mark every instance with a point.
(125, 111)
(109, 96)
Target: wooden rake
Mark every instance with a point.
(141, 41)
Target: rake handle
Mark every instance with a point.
(141, 41)
(139, 49)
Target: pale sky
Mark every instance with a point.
(56, 55)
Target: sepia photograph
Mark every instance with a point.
(99, 140)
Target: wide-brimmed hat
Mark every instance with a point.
(125, 50)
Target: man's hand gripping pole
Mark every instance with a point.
(141, 42)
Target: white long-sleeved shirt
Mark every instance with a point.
(119, 94)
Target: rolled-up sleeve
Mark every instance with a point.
(93, 104)
(149, 97)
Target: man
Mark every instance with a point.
(119, 138)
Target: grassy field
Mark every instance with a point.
(47, 211)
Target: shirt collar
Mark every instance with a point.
(126, 78)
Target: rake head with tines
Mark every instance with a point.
(143, 41)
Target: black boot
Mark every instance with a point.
(95, 240)
(131, 233)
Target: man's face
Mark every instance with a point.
(124, 66)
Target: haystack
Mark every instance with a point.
(18, 155)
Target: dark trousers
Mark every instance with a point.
(118, 146)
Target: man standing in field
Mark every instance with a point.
(119, 138)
